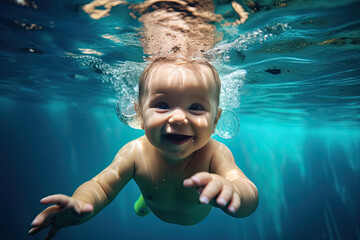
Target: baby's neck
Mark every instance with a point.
(175, 162)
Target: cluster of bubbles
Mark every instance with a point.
(122, 76)
(125, 111)
(228, 125)
(233, 78)
(225, 49)
(232, 82)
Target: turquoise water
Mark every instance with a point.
(291, 74)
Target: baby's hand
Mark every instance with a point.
(66, 212)
(216, 190)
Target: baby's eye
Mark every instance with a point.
(162, 105)
(196, 107)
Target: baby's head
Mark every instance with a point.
(200, 69)
(179, 105)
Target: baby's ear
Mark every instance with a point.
(139, 114)
(218, 114)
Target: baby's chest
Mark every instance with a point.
(163, 185)
(161, 182)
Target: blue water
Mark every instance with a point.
(291, 74)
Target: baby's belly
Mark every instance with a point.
(175, 204)
(169, 200)
(179, 213)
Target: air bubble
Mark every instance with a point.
(125, 110)
(228, 125)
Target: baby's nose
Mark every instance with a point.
(178, 117)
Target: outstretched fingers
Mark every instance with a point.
(207, 184)
(198, 180)
(235, 203)
(64, 212)
(215, 190)
(44, 219)
(59, 199)
(225, 195)
(65, 203)
(35, 230)
(211, 190)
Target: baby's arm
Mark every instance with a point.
(226, 186)
(89, 198)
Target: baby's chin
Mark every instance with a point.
(175, 156)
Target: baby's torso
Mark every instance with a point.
(162, 186)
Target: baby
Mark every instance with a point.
(179, 169)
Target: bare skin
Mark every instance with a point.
(179, 169)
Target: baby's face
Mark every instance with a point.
(179, 110)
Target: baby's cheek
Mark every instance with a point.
(204, 128)
(202, 123)
(153, 123)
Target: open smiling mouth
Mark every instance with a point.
(177, 139)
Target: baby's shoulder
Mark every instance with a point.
(134, 147)
(216, 148)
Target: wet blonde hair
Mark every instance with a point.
(192, 65)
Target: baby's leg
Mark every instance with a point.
(140, 207)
